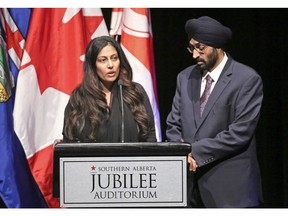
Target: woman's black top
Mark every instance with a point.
(110, 130)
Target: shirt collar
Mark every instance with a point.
(217, 71)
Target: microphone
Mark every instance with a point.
(120, 84)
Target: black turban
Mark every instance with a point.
(208, 31)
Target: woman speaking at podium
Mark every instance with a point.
(108, 106)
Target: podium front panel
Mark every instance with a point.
(123, 181)
(144, 174)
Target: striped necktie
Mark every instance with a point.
(206, 93)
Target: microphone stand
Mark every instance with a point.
(120, 83)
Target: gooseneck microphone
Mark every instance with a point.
(120, 84)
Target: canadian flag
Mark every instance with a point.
(134, 26)
(51, 68)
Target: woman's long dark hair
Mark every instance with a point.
(88, 101)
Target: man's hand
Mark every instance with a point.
(192, 163)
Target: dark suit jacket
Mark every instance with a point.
(223, 139)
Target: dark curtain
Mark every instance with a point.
(2, 204)
(260, 41)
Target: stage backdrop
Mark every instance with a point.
(260, 41)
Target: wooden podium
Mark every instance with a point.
(121, 174)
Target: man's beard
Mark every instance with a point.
(210, 63)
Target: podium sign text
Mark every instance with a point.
(123, 181)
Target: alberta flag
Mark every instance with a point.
(134, 26)
(51, 67)
(18, 188)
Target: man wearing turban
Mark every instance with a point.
(216, 109)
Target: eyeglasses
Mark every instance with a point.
(199, 47)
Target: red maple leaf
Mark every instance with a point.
(55, 47)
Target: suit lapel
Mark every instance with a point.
(195, 86)
(221, 84)
(219, 87)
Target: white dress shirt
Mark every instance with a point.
(215, 74)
